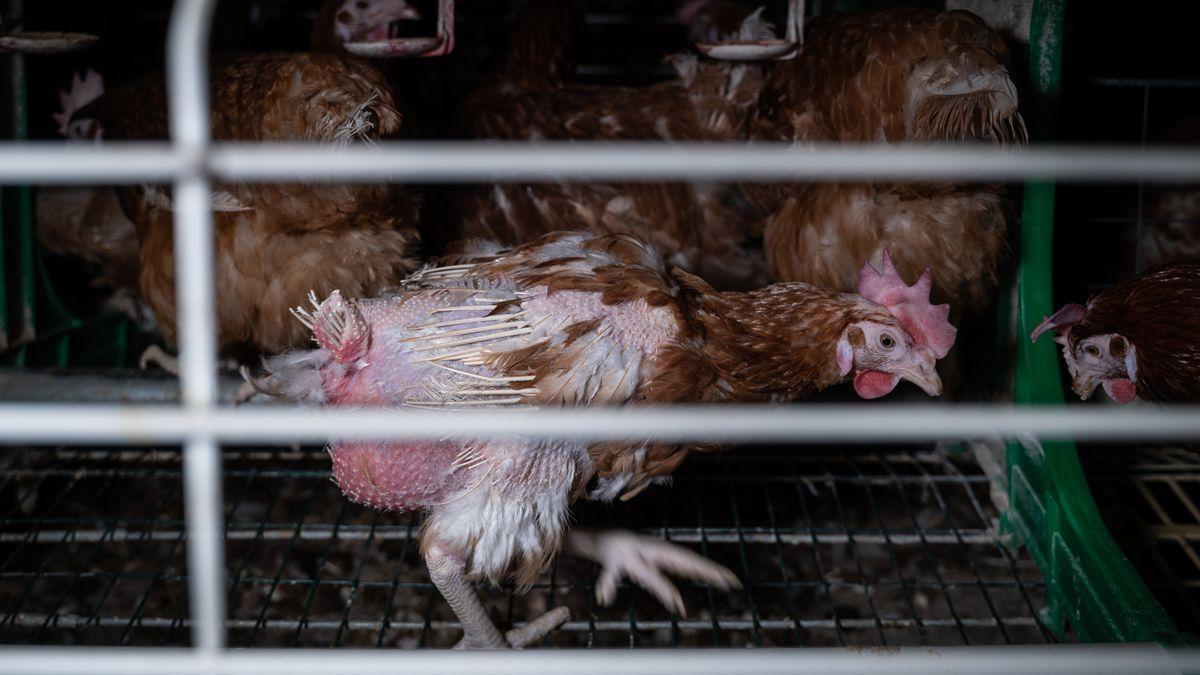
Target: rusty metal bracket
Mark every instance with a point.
(413, 47)
(28, 42)
(763, 50)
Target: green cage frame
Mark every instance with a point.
(1092, 585)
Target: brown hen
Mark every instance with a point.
(1139, 338)
(531, 98)
(574, 320)
(889, 76)
(274, 242)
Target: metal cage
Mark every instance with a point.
(915, 526)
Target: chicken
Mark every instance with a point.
(713, 20)
(342, 21)
(575, 320)
(1171, 231)
(529, 100)
(889, 76)
(273, 241)
(1139, 338)
(87, 222)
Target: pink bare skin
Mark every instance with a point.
(498, 509)
(440, 476)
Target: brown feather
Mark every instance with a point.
(890, 76)
(292, 238)
(1157, 312)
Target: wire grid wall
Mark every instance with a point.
(191, 162)
(882, 548)
(1141, 219)
(1150, 498)
(1148, 494)
(1143, 111)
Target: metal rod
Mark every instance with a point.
(730, 423)
(457, 161)
(124, 387)
(448, 162)
(71, 621)
(68, 164)
(1144, 658)
(187, 78)
(402, 533)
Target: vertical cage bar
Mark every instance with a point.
(205, 550)
(1140, 235)
(187, 88)
(187, 84)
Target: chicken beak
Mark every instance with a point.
(922, 373)
(1084, 386)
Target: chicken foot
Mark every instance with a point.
(643, 560)
(155, 355)
(448, 573)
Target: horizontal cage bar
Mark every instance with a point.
(466, 161)
(1047, 660)
(746, 423)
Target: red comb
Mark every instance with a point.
(84, 90)
(928, 324)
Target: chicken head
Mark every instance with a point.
(1108, 360)
(342, 21)
(880, 354)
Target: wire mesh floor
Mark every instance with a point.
(844, 548)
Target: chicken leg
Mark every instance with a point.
(448, 573)
(621, 554)
(157, 356)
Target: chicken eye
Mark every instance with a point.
(887, 341)
(343, 17)
(361, 4)
(1091, 350)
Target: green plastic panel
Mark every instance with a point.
(1091, 585)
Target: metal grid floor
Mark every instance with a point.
(835, 548)
(1149, 498)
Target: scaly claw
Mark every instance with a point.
(155, 355)
(643, 560)
(523, 636)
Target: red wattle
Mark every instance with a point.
(1120, 390)
(873, 383)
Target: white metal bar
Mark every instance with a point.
(729, 423)
(69, 164)
(451, 161)
(187, 89)
(519, 161)
(206, 543)
(1143, 658)
(187, 68)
